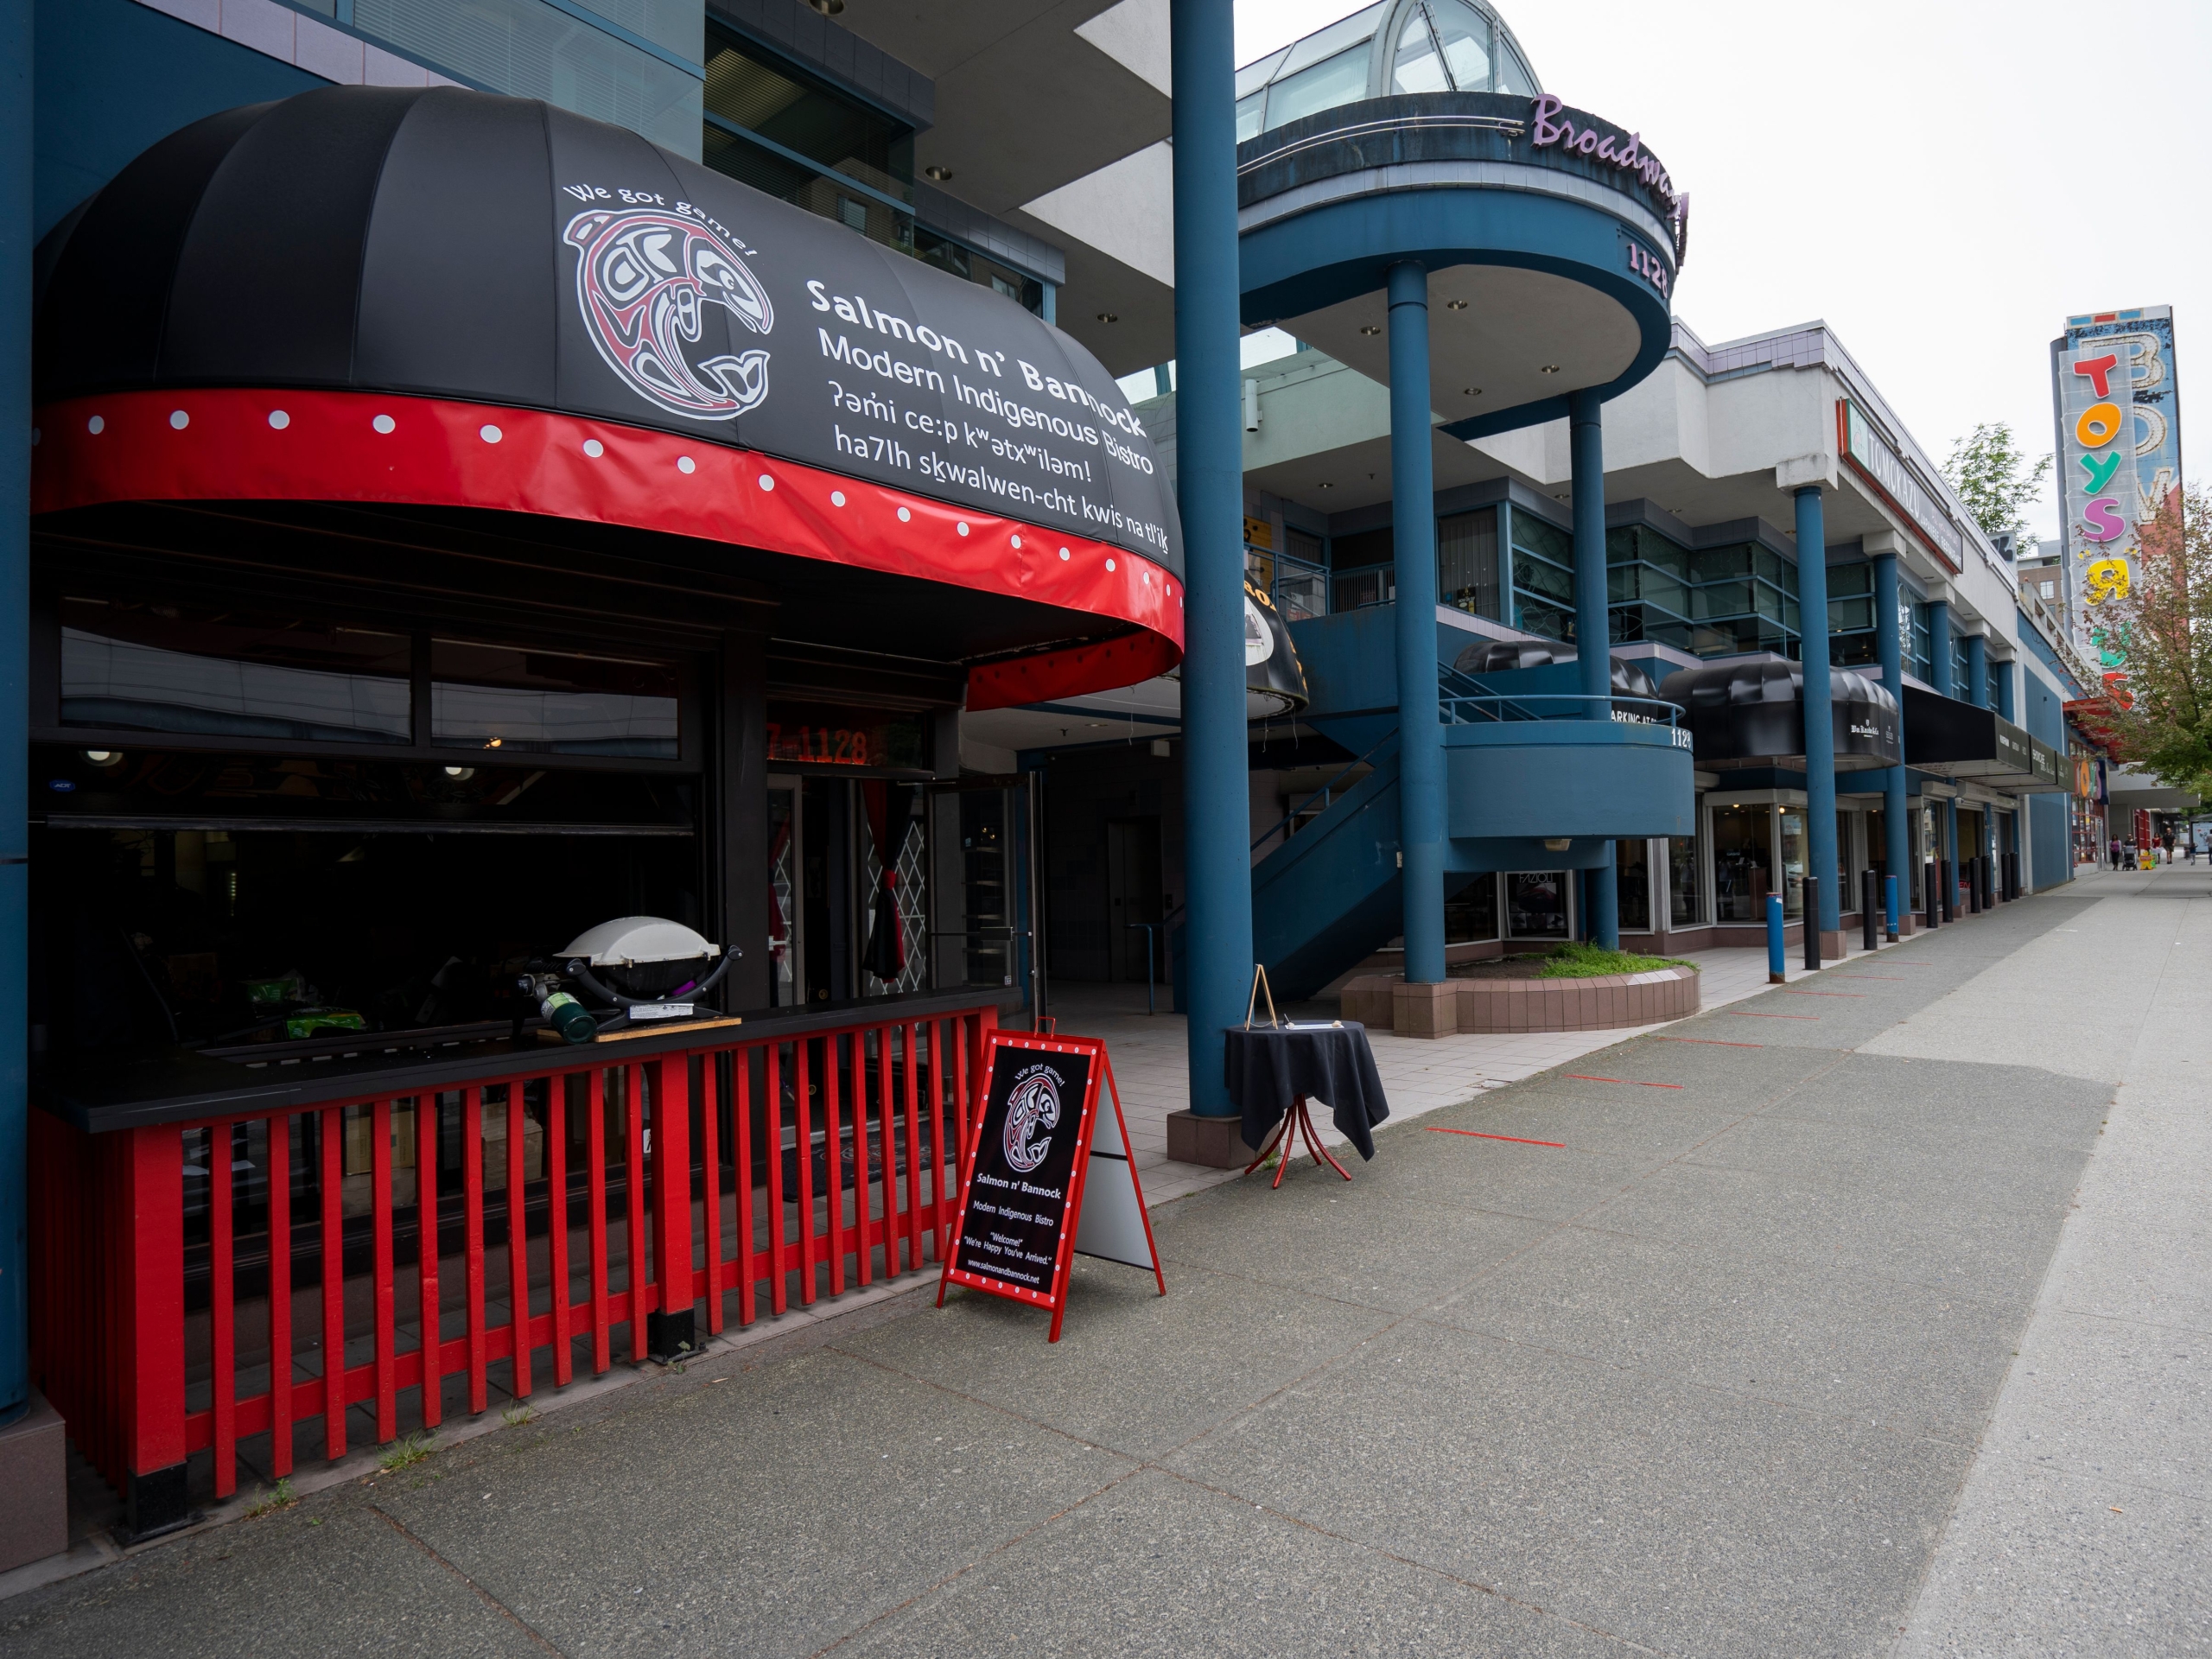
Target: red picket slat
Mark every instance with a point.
(803, 1055)
(381, 1272)
(280, 1294)
(940, 1211)
(333, 1284)
(556, 1224)
(634, 1187)
(428, 1110)
(741, 1129)
(916, 1222)
(775, 1150)
(710, 1156)
(517, 1239)
(595, 1190)
(222, 1312)
(472, 1238)
(863, 1184)
(833, 1138)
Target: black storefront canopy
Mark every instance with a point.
(1753, 713)
(1951, 739)
(485, 255)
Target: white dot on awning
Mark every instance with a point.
(1109, 565)
(1147, 578)
(1017, 541)
(904, 516)
(836, 497)
(279, 419)
(963, 526)
(1064, 553)
(179, 419)
(384, 423)
(594, 448)
(766, 482)
(685, 464)
(97, 425)
(490, 434)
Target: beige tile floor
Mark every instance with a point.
(1419, 1075)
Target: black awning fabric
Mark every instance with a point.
(1754, 712)
(1952, 739)
(448, 243)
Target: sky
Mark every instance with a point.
(1943, 182)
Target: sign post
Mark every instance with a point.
(1042, 1148)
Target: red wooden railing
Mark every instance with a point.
(182, 1307)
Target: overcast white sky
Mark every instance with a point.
(1943, 181)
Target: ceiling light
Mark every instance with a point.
(827, 8)
(1455, 305)
(1471, 391)
(1548, 368)
(104, 757)
(462, 772)
(1325, 487)
(1371, 328)
(942, 174)
(1109, 316)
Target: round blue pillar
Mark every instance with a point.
(1820, 727)
(1593, 655)
(1421, 740)
(1977, 669)
(1939, 649)
(1897, 832)
(1210, 493)
(14, 707)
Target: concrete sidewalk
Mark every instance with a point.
(1714, 1355)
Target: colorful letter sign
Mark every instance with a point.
(2119, 446)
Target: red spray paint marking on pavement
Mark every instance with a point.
(1888, 977)
(1712, 1042)
(1438, 1129)
(1861, 996)
(1743, 1013)
(1633, 1082)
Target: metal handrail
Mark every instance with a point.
(1387, 737)
(1664, 713)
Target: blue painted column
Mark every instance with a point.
(1939, 676)
(1819, 725)
(1413, 515)
(1593, 640)
(1977, 669)
(2000, 676)
(15, 706)
(1210, 489)
(1889, 642)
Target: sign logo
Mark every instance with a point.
(1032, 1112)
(644, 280)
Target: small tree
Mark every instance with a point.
(1993, 478)
(2164, 621)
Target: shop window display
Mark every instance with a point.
(1632, 861)
(1471, 914)
(1743, 862)
(1684, 905)
(1536, 904)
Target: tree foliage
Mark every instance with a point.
(2164, 622)
(1993, 478)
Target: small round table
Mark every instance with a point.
(1272, 1071)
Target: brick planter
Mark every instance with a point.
(1381, 1003)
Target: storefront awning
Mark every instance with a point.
(1753, 713)
(447, 299)
(1951, 739)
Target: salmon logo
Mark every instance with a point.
(645, 281)
(1032, 1112)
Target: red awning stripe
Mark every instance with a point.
(250, 444)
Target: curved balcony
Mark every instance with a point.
(1544, 781)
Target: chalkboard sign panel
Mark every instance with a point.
(1024, 1179)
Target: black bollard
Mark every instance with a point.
(1972, 873)
(1867, 920)
(1946, 889)
(1812, 923)
(1935, 909)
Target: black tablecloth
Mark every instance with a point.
(1268, 1067)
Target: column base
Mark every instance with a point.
(34, 1473)
(672, 1336)
(154, 1503)
(1832, 944)
(1214, 1142)
(1425, 1010)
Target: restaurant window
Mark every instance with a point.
(1922, 664)
(1536, 904)
(1466, 563)
(1543, 577)
(1792, 845)
(1647, 588)
(1743, 862)
(1683, 905)
(519, 700)
(1633, 865)
(217, 671)
(1743, 601)
(1851, 641)
(1471, 914)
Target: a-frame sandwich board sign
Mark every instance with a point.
(1043, 1148)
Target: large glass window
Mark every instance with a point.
(1535, 904)
(1443, 46)
(1921, 661)
(1744, 600)
(1466, 563)
(1743, 862)
(1632, 859)
(1684, 908)
(1471, 914)
(1648, 586)
(1851, 615)
(1340, 80)
(1543, 577)
(556, 702)
(1793, 850)
(220, 671)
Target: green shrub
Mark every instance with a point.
(1579, 961)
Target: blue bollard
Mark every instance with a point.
(1890, 904)
(1777, 969)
